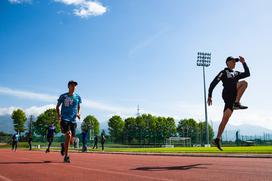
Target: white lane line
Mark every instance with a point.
(118, 173)
(102, 171)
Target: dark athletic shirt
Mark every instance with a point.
(229, 79)
(51, 131)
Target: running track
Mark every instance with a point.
(35, 165)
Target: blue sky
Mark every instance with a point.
(124, 53)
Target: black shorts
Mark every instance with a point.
(50, 138)
(229, 99)
(68, 126)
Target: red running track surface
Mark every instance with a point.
(35, 165)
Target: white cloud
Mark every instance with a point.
(85, 8)
(109, 108)
(28, 95)
(37, 110)
(19, 1)
(33, 110)
(7, 110)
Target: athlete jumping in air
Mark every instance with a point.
(232, 92)
(70, 107)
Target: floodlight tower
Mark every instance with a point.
(138, 111)
(204, 60)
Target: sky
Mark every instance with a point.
(128, 53)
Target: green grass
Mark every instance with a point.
(231, 150)
(245, 150)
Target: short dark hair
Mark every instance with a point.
(72, 82)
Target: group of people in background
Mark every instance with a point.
(51, 131)
(95, 146)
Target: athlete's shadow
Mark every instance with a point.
(28, 162)
(185, 167)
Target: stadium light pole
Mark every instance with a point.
(204, 60)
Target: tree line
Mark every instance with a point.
(143, 129)
(149, 129)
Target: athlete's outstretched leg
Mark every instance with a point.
(68, 137)
(49, 145)
(225, 119)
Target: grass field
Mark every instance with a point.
(244, 150)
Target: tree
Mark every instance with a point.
(188, 128)
(166, 128)
(171, 129)
(140, 129)
(116, 126)
(19, 119)
(130, 129)
(202, 135)
(40, 126)
(90, 123)
(151, 127)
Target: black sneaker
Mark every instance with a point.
(62, 149)
(67, 159)
(238, 105)
(47, 150)
(216, 142)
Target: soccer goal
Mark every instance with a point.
(178, 141)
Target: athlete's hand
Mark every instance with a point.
(209, 101)
(242, 59)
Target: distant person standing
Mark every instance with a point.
(50, 136)
(103, 140)
(29, 140)
(70, 110)
(95, 142)
(84, 141)
(15, 140)
(76, 142)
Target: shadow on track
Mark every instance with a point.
(26, 162)
(185, 167)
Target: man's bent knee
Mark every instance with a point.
(243, 83)
(228, 113)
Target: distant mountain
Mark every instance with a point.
(6, 124)
(244, 130)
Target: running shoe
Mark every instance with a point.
(238, 105)
(67, 159)
(216, 142)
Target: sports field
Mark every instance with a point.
(109, 148)
(252, 149)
